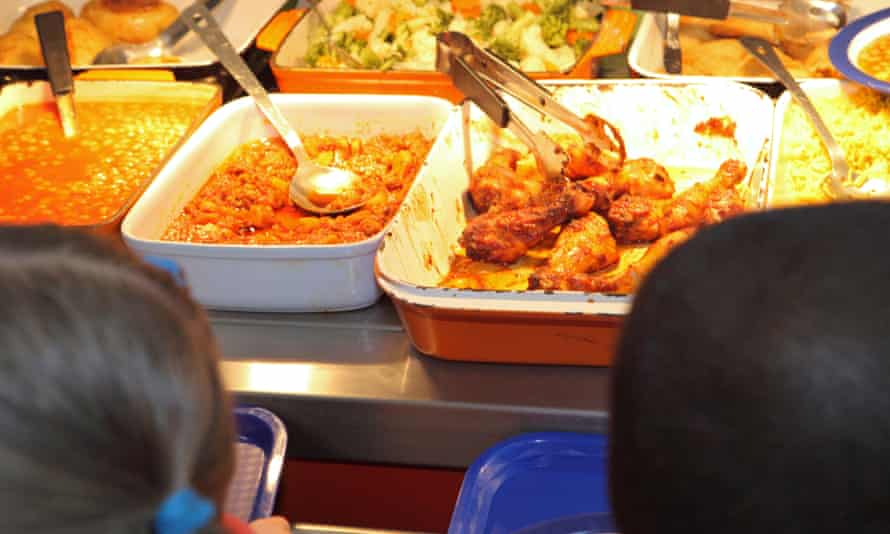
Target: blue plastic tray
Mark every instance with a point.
(532, 479)
(262, 440)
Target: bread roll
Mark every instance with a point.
(130, 21)
(25, 23)
(20, 49)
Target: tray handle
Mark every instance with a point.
(274, 33)
(615, 33)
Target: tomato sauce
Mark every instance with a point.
(88, 179)
(245, 200)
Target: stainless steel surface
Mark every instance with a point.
(350, 387)
(841, 172)
(54, 47)
(796, 15)
(672, 54)
(311, 181)
(160, 47)
(306, 528)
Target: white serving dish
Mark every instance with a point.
(646, 52)
(240, 21)
(306, 278)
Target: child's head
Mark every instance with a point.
(751, 392)
(110, 396)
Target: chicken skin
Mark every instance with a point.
(628, 281)
(497, 184)
(584, 245)
(636, 219)
(589, 159)
(640, 177)
(505, 236)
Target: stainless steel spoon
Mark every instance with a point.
(841, 175)
(313, 187)
(158, 48)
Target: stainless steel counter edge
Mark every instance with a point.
(350, 387)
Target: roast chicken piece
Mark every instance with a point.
(641, 177)
(636, 219)
(628, 281)
(497, 184)
(584, 245)
(586, 160)
(505, 236)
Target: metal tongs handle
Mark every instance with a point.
(478, 73)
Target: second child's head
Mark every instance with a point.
(110, 396)
(751, 391)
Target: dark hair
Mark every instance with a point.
(110, 393)
(751, 391)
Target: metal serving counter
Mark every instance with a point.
(350, 387)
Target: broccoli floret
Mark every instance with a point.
(444, 19)
(585, 25)
(555, 6)
(491, 15)
(369, 59)
(316, 51)
(514, 10)
(581, 46)
(506, 49)
(553, 29)
(342, 12)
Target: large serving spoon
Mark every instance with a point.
(158, 49)
(836, 183)
(316, 188)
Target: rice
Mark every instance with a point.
(859, 120)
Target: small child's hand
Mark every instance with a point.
(270, 525)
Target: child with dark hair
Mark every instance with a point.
(751, 391)
(113, 416)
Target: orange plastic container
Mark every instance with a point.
(288, 35)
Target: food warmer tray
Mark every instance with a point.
(656, 119)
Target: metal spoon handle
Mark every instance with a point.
(54, 46)
(200, 21)
(176, 31)
(763, 51)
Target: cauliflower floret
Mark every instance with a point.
(532, 64)
(531, 43)
(459, 24)
(500, 28)
(354, 24)
(563, 58)
(424, 44)
(372, 7)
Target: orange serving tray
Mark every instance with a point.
(505, 337)
(287, 33)
(549, 327)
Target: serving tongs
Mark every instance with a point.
(481, 75)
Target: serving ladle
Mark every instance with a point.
(159, 48)
(315, 188)
(842, 182)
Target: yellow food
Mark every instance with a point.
(130, 21)
(874, 59)
(860, 121)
